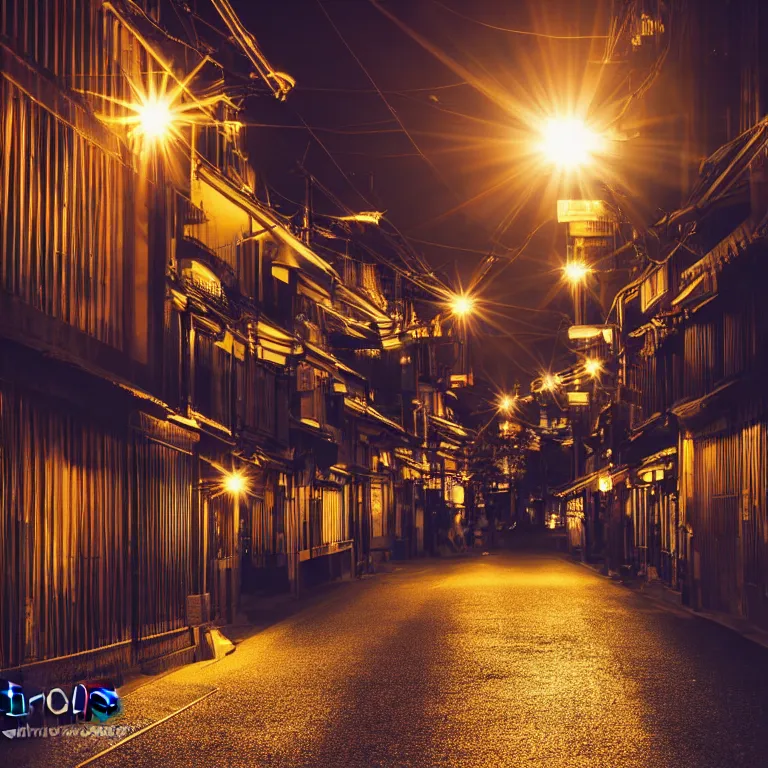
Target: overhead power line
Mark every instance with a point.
(391, 109)
(394, 92)
(525, 32)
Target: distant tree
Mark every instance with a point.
(500, 455)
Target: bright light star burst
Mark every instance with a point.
(569, 143)
(575, 271)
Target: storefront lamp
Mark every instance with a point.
(235, 483)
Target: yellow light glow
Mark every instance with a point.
(235, 483)
(154, 119)
(605, 483)
(160, 107)
(569, 143)
(506, 402)
(365, 217)
(575, 271)
(592, 367)
(549, 382)
(462, 305)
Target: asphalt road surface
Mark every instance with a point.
(507, 660)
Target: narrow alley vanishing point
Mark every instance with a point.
(510, 660)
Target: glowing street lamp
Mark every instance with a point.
(569, 143)
(505, 403)
(592, 367)
(155, 119)
(462, 305)
(550, 382)
(575, 272)
(235, 483)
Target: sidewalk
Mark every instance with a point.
(670, 599)
(149, 700)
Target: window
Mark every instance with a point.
(654, 286)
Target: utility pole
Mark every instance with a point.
(307, 224)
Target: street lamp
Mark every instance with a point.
(235, 483)
(569, 143)
(575, 272)
(506, 402)
(592, 367)
(462, 305)
(154, 119)
(550, 382)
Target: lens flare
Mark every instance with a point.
(462, 305)
(592, 367)
(569, 143)
(235, 484)
(155, 119)
(575, 271)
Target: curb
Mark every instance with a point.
(751, 633)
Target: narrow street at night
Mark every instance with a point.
(511, 659)
(383, 383)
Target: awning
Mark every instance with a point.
(693, 408)
(273, 343)
(451, 426)
(579, 484)
(313, 290)
(265, 217)
(726, 250)
(658, 457)
(364, 305)
(688, 292)
(363, 409)
(329, 362)
(361, 335)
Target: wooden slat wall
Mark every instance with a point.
(260, 408)
(61, 219)
(261, 531)
(164, 482)
(754, 526)
(64, 532)
(715, 519)
(701, 356)
(268, 524)
(213, 373)
(334, 524)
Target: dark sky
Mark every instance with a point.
(460, 177)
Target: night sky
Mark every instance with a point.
(445, 182)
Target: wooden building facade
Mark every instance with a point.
(186, 387)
